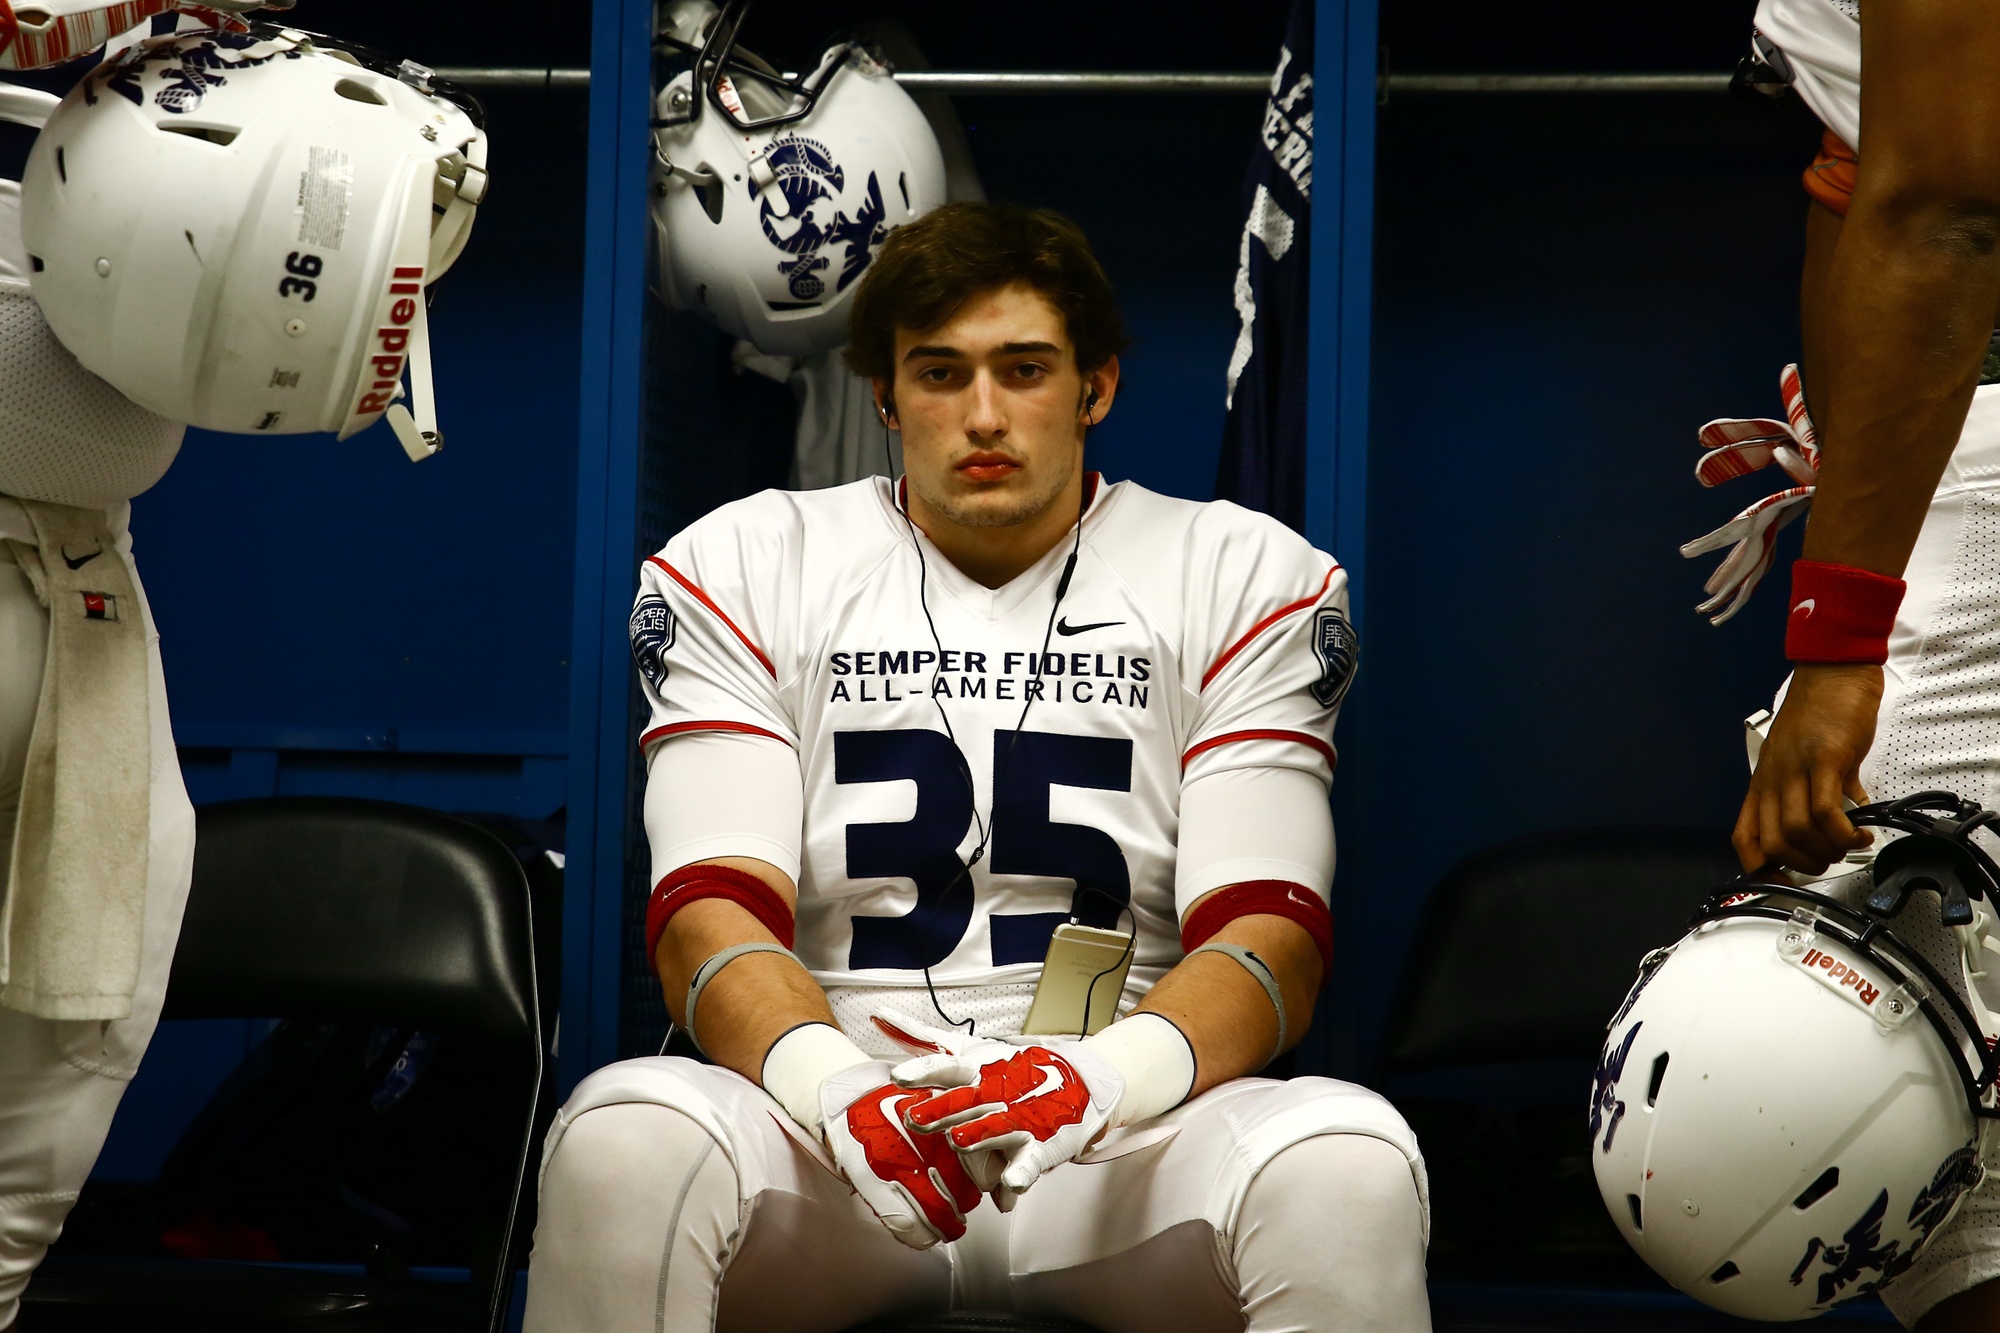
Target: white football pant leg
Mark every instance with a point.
(638, 1209)
(1331, 1237)
(1296, 1205)
(60, 1081)
(1939, 728)
(674, 1198)
(677, 1196)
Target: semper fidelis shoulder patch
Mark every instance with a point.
(652, 630)
(1335, 645)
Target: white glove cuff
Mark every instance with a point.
(803, 1059)
(1154, 1058)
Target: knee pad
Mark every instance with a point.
(29, 1224)
(1357, 1174)
(619, 1145)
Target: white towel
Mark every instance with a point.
(73, 918)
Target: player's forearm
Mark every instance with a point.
(1225, 1014)
(1902, 330)
(750, 1003)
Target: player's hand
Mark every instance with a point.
(1793, 814)
(1037, 1106)
(914, 1182)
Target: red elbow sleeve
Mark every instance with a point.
(1261, 897)
(693, 883)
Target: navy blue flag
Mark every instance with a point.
(1263, 464)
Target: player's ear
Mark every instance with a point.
(885, 402)
(1100, 386)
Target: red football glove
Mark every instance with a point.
(1038, 1106)
(914, 1182)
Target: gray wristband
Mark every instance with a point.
(707, 971)
(1266, 978)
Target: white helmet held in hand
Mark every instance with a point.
(236, 230)
(1793, 1099)
(772, 193)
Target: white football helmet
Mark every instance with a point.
(771, 193)
(1793, 1099)
(236, 230)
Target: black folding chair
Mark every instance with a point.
(1522, 954)
(347, 910)
(1525, 949)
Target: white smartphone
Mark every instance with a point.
(1085, 965)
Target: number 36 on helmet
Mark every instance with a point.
(236, 230)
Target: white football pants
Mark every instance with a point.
(60, 1081)
(678, 1196)
(1939, 730)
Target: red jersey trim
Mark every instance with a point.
(1264, 624)
(677, 728)
(703, 598)
(1301, 737)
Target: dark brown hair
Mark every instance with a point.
(929, 268)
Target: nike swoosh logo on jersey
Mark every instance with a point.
(1064, 628)
(78, 562)
(1806, 606)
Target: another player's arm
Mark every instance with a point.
(1224, 1013)
(1897, 306)
(758, 997)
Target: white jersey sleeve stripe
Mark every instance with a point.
(1290, 608)
(1301, 737)
(678, 728)
(705, 600)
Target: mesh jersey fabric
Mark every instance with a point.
(993, 1011)
(1193, 639)
(66, 436)
(1940, 719)
(1822, 40)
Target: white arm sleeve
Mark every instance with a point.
(1254, 823)
(724, 793)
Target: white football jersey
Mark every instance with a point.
(66, 436)
(1822, 41)
(1192, 638)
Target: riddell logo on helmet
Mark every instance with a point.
(1841, 975)
(392, 342)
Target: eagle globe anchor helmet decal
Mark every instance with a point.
(1794, 1098)
(771, 192)
(236, 230)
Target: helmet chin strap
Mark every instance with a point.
(417, 432)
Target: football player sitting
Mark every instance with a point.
(910, 742)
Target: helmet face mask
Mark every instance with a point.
(728, 76)
(1794, 1098)
(772, 194)
(236, 230)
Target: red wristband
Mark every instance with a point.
(693, 883)
(1261, 897)
(1841, 614)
